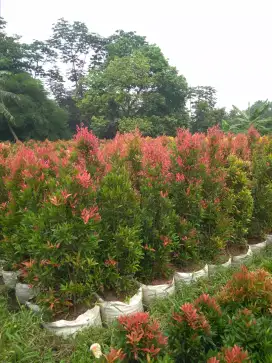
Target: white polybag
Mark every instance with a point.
(2, 263)
(33, 307)
(24, 292)
(256, 248)
(237, 260)
(213, 268)
(152, 292)
(269, 239)
(110, 310)
(65, 328)
(10, 278)
(188, 277)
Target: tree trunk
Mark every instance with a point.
(13, 132)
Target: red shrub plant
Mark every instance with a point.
(250, 289)
(88, 215)
(236, 323)
(230, 355)
(140, 337)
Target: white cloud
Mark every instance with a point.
(222, 43)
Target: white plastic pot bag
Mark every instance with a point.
(152, 292)
(213, 268)
(24, 293)
(10, 278)
(269, 239)
(110, 310)
(2, 262)
(237, 260)
(189, 277)
(33, 307)
(258, 247)
(65, 328)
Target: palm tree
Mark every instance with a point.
(6, 96)
(243, 120)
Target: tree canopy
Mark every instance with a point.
(111, 84)
(259, 115)
(135, 82)
(26, 111)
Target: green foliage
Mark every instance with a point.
(202, 101)
(247, 289)
(138, 89)
(119, 208)
(189, 335)
(251, 333)
(261, 190)
(257, 117)
(22, 339)
(33, 114)
(129, 124)
(241, 199)
(158, 218)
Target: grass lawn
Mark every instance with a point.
(23, 340)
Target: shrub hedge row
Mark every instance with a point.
(88, 215)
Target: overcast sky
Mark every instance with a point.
(222, 43)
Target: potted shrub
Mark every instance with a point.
(10, 274)
(262, 192)
(122, 248)
(149, 162)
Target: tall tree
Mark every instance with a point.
(266, 105)
(204, 114)
(74, 43)
(34, 115)
(26, 110)
(12, 56)
(120, 44)
(6, 96)
(134, 82)
(258, 116)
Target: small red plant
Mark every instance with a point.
(115, 356)
(140, 336)
(191, 316)
(230, 355)
(248, 287)
(207, 301)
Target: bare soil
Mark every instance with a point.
(253, 241)
(221, 258)
(193, 267)
(237, 250)
(111, 295)
(73, 312)
(160, 281)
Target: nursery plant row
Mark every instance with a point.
(89, 219)
(108, 311)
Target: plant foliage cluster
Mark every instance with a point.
(229, 323)
(88, 216)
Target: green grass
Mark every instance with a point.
(22, 339)
(186, 293)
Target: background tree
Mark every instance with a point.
(112, 84)
(204, 114)
(134, 82)
(259, 116)
(74, 43)
(265, 105)
(6, 96)
(34, 114)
